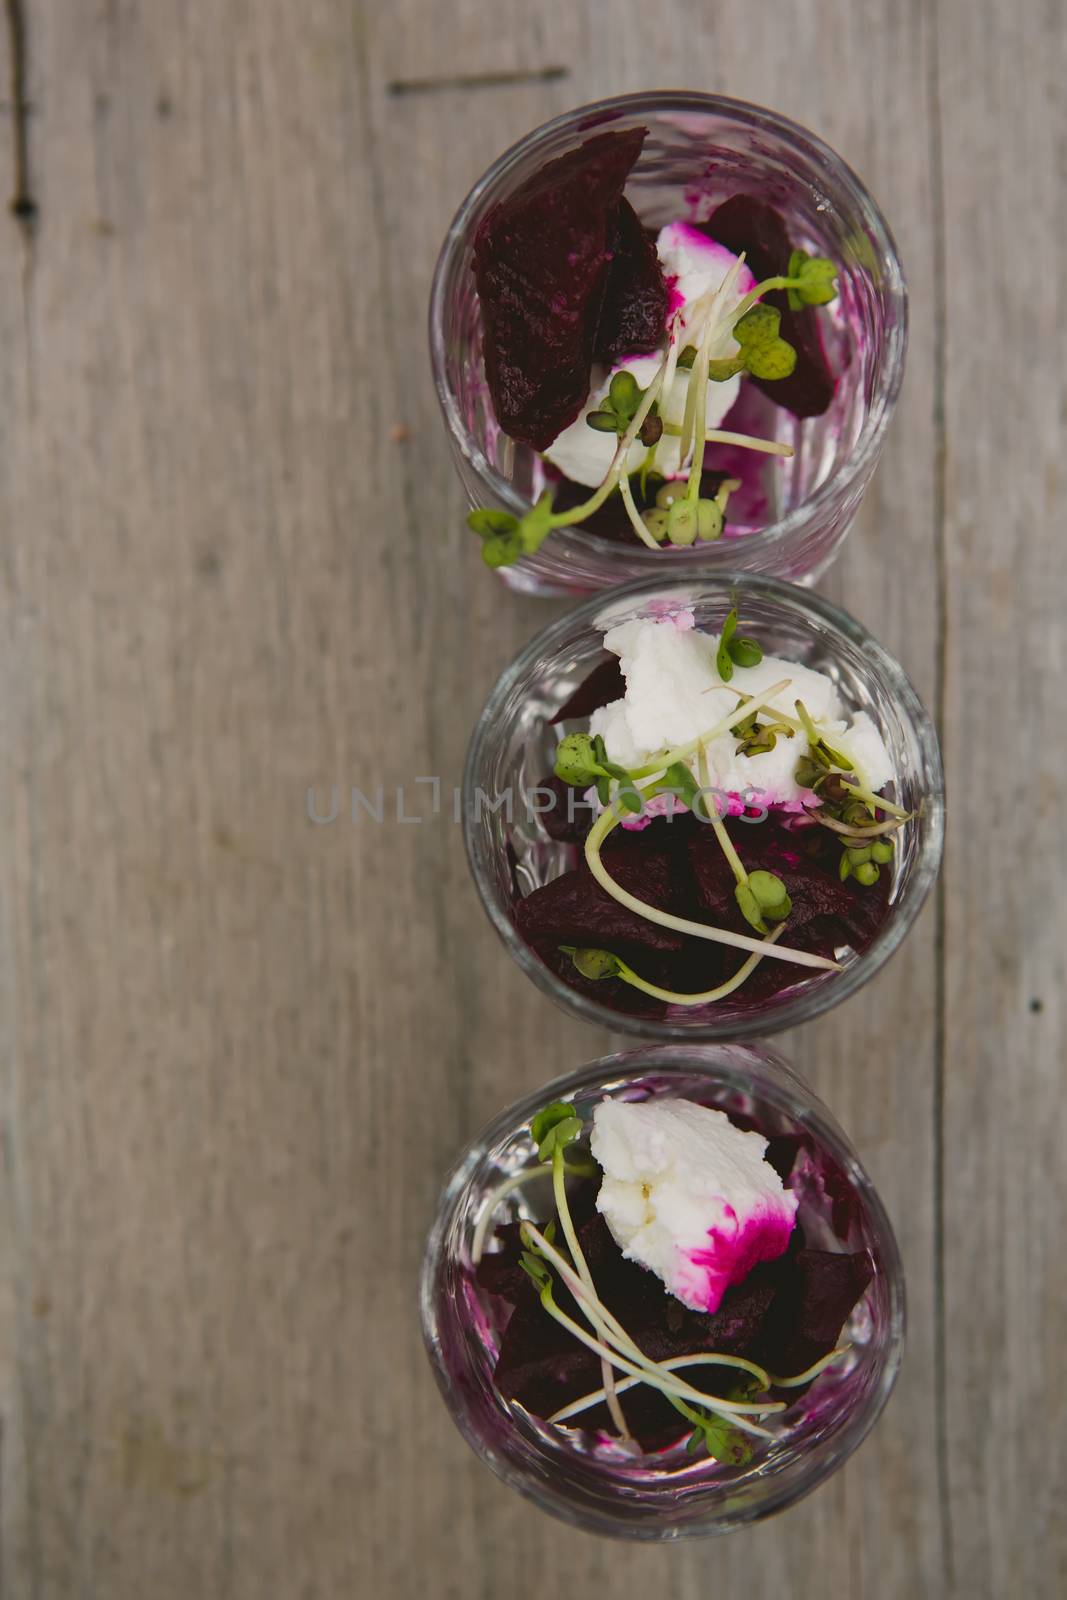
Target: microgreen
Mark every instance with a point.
(814, 280)
(762, 350)
(558, 1137)
(548, 1118)
(667, 919)
(505, 538)
(762, 898)
(617, 1349)
(734, 651)
(594, 964)
(576, 761)
(486, 522)
(723, 659)
(582, 761)
(821, 753)
(618, 408)
(723, 1425)
(759, 738)
(597, 964)
(721, 1439)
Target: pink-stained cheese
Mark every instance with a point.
(688, 1195)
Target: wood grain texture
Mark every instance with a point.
(239, 1050)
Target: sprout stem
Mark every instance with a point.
(888, 806)
(563, 1210)
(746, 441)
(875, 829)
(636, 521)
(810, 1372)
(618, 461)
(673, 1364)
(743, 972)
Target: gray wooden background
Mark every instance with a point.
(238, 1051)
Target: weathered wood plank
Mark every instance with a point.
(1006, 928)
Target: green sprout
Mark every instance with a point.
(762, 898)
(814, 280)
(600, 964)
(681, 782)
(735, 652)
(763, 352)
(619, 407)
(582, 761)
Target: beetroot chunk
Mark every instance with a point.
(745, 223)
(574, 909)
(634, 317)
(816, 1292)
(541, 259)
(603, 685)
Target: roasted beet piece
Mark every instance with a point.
(745, 223)
(634, 315)
(570, 817)
(574, 909)
(603, 685)
(816, 1292)
(540, 262)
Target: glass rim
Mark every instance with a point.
(903, 912)
(782, 1085)
(868, 445)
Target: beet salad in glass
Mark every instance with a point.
(726, 823)
(639, 362)
(661, 1288)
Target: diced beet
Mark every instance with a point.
(816, 1292)
(574, 909)
(782, 1151)
(745, 223)
(570, 817)
(603, 685)
(540, 261)
(498, 1272)
(634, 316)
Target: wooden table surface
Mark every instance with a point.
(239, 1050)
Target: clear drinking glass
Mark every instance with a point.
(700, 150)
(513, 748)
(591, 1482)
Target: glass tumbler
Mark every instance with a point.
(591, 1480)
(701, 149)
(512, 750)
